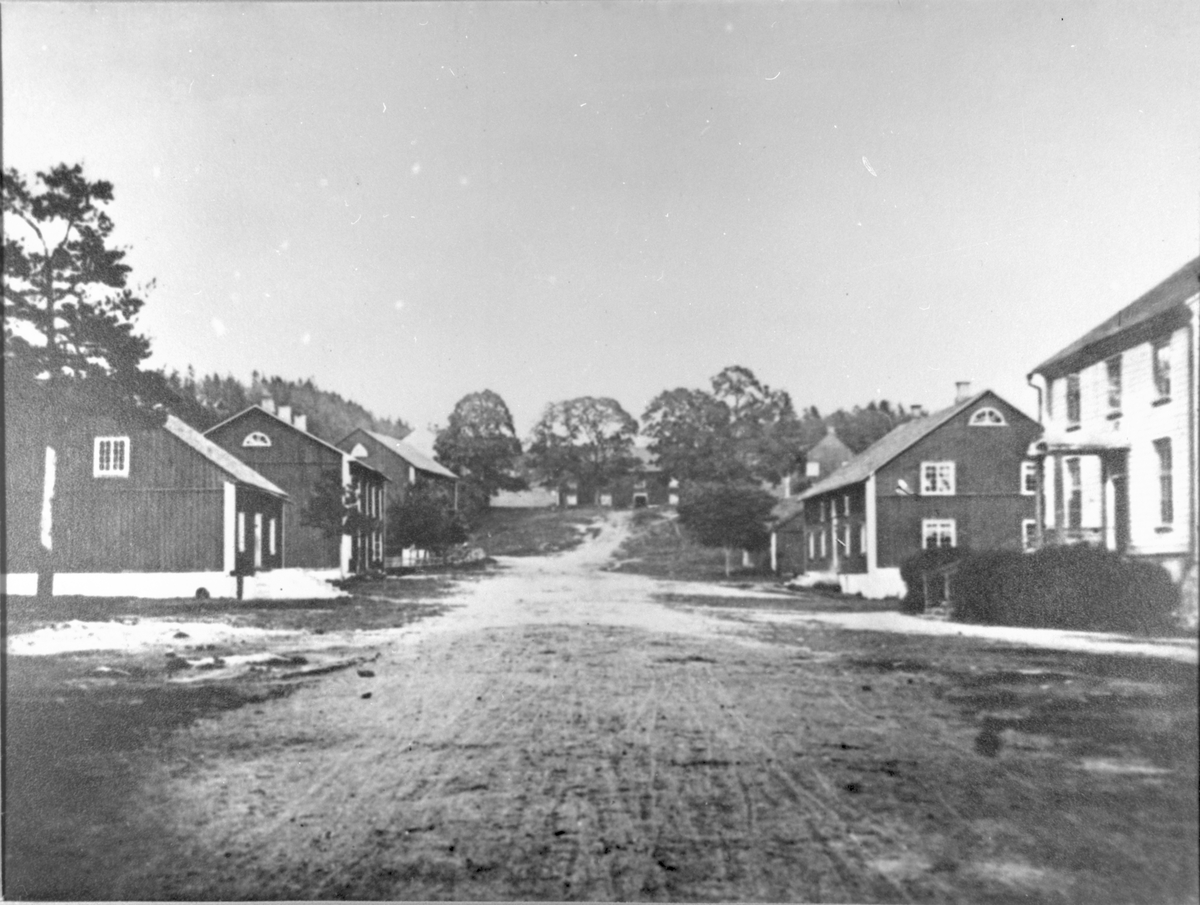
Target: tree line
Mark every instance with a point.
(71, 348)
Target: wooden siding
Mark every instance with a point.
(294, 462)
(166, 516)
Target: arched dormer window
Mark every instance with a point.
(359, 451)
(256, 438)
(987, 417)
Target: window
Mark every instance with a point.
(1028, 534)
(1112, 373)
(824, 552)
(845, 504)
(1029, 478)
(821, 517)
(1162, 368)
(862, 538)
(812, 469)
(1073, 492)
(241, 532)
(673, 483)
(987, 417)
(1073, 399)
(256, 438)
(1166, 503)
(1050, 400)
(111, 459)
(938, 532)
(937, 478)
(359, 451)
(271, 537)
(672, 499)
(412, 475)
(812, 545)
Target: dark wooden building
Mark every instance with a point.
(404, 465)
(281, 448)
(139, 510)
(958, 478)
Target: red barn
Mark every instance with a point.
(283, 450)
(139, 510)
(957, 478)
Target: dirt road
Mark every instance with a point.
(560, 734)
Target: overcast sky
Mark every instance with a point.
(409, 202)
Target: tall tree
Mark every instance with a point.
(69, 343)
(588, 440)
(690, 436)
(480, 444)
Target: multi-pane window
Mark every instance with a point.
(1112, 373)
(845, 504)
(111, 457)
(1028, 534)
(812, 545)
(256, 438)
(987, 417)
(1162, 368)
(1166, 501)
(1073, 399)
(1029, 478)
(1073, 492)
(938, 532)
(824, 551)
(937, 478)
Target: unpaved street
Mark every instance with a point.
(561, 734)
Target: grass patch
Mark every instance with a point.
(531, 532)
(658, 547)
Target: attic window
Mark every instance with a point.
(987, 417)
(359, 451)
(256, 438)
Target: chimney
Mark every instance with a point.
(962, 390)
(917, 410)
(285, 413)
(300, 422)
(268, 404)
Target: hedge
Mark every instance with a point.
(1076, 587)
(913, 568)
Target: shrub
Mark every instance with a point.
(915, 567)
(1082, 588)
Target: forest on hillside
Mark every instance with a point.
(208, 400)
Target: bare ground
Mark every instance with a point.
(563, 733)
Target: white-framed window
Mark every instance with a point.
(1112, 375)
(272, 537)
(987, 417)
(812, 469)
(1073, 491)
(845, 504)
(1166, 489)
(938, 532)
(359, 451)
(1073, 400)
(673, 483)
(1029, 478)
(258, 540)
(1162, 368)
(937, 479)
(412, 475)
(862, 538)
(256, 438)
(824, 550)
(822, 515)
(606, 499)
(110, 457)
(241, 532)
(672, 499)
(1028, 534)
(812, 545)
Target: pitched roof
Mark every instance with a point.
(227, 462)
(412, 455)
(888, 447)
(310, 436)
(1174, 290)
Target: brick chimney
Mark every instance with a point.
(268, 404)
(962, 390)
(300, 422)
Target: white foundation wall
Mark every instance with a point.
(874, 585)
(152, 585)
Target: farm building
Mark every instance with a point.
(1118, 458)
(645, 485)
(139, 509)
(956, 478)
(402, 463)
(311, 470)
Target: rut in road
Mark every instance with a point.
(559, 736)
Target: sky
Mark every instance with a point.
(409, 202)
